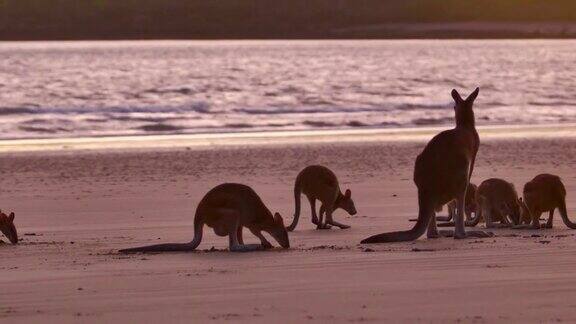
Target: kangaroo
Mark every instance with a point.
(442, 172)
(8, 228)
(544, 193)
(228, 208)
(497, 200)
(319, 183)
(470, 208)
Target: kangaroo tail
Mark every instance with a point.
(173, 247)
(564, 214)
(425, 213)
(297, 198)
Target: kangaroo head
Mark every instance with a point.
(525, 214)
(463, 108)
(7, 227)
(279, 232)
(345, 202)
(515, 212)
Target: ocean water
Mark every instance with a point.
(69, 89)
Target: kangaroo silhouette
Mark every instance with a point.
(497, 200)
(227, 209)
(442, 173)
(8, 228)
(320, 183)
(544, 193)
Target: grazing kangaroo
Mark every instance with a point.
(7, 227)
(319, 183)
(470, 208)
(228, 208)
(497, 199)
(442, 173)
(544, 193)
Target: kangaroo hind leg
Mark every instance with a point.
(235, 246)
(432, 231)
(234, 243)
(313, 210)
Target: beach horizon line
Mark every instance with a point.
(204, 140)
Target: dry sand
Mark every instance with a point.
(75, 208)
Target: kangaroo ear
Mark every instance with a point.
(456, 96)
(348, 194)
(11, 217)
(473, 95)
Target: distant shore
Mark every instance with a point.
(462, 30)
(392, 30)
(285, 19)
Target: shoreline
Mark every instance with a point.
(412, 134)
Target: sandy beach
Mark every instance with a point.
(77, 202)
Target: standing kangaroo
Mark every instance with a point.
(7, 227)
(442, 173)
(497, 199)
(228, 208)
(319, 183)
(545, 193)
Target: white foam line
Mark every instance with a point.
(499, 132)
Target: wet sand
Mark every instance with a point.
(75, 206)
